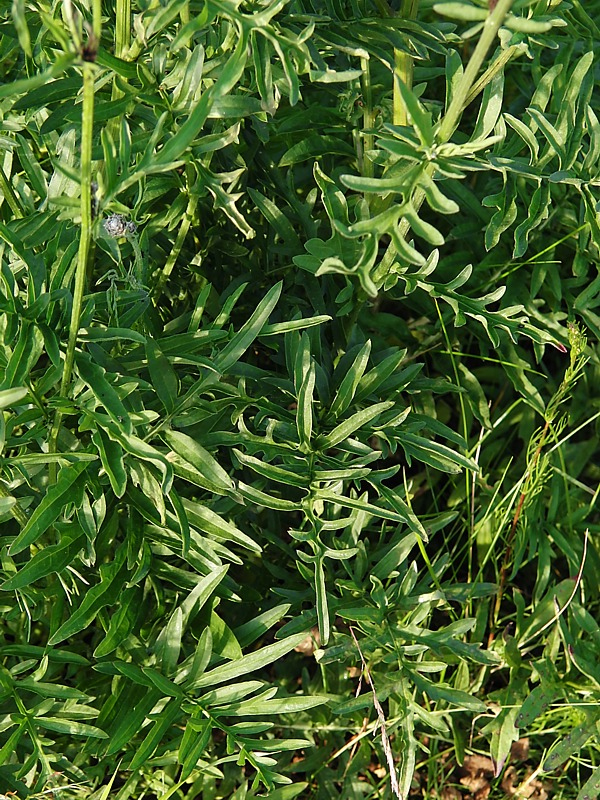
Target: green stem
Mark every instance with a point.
(122, 28)
(459, 100)
(403, 67)
(191, 179)
(451, 119)
(495, 67)
(138, 43)
(122, 43)
(10, 196)
(368, 118)
(85, 239)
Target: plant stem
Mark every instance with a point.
(368, 117)
(513, 528)
(451, 119)
(403, 66)
(459, 99)
(10, 196)
(85, 239)
(122, 43)
(191, 182)
(86, 220)
(122, 27)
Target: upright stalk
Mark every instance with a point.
(122, 44)
(10, 196)
(534, 476)
(451, 118)
(122, 27)
(368, 117)
(459, 100)
(85, 237)
(403, 66)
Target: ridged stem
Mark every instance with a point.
(451, 119)
(403, 66)
(85, 236)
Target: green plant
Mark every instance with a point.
(286, 292)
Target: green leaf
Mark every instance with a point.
(193, 744)
(571, 743)
(70, 479)
(11, 397)
(301, 324)
(168, 643)
(192, 451)
(95, 377)
(60, 89)
(273, 472)
(360, 505)
(345, 394)
(420, 118)
(322, 601)
(24, 356)
(162, 375)
(29, 84)
(536, 702)
(242, 340)
(225, 695)
(435, 454)
(504, 734)
(122, 621)
(224, 642)
(137, 447)
(101, 333)
(55, 690)
(288, 792)
(104, 593)
(352, 424)
(111, 456)
(21, 27)
(279, 705)
(248, 663)
(524, 25)
(70, 727)
(53, 558)
(462, 11)
(312, 147)
(591, 788)
(440, 691)
(256, 627)
(178, 144)
(285, 230)
(130, 719)
(267, 500)
(163, 723)
(205, 519)
(370, 382)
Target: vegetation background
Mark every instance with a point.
(299, 415)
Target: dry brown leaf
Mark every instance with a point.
(475, 773)
(513, 785)
(477, 765)
(310, 643)
(450, 793)
(509, 780)
(519, 750)
(476, 784)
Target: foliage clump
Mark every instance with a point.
(298, 312)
